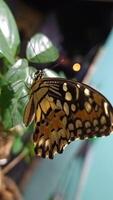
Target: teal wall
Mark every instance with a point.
(99, 185)
(52, 175)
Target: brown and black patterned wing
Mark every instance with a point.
(67, 111)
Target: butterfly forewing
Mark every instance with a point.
(67, 110)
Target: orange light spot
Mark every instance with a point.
(76, 67)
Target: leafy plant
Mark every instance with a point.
(16, 77)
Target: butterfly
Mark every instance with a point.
(63, 111)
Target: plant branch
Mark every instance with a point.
(14, 162)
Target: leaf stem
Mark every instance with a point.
(14, 162)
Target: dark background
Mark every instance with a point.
(78, 29)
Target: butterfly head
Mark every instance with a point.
(38, 75)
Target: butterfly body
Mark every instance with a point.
(65, 110)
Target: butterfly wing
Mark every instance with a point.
(29, 112)
(67, 111)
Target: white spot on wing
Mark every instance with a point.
(68, 96)
(106, 108)
(87, 92)
(65, 87)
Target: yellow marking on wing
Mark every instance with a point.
(64, 121)
(41, 141)
(45, 105)
(66, 108)
(54, 137)
(58, 104)
(68, 96)
(62, 133)
(40, 152)
(47, 144)
(87, 106)
(73, 107)
(103, 120)
(38, 114)
(53, 105)
(55, 151)
(65, 87)
(87, 92)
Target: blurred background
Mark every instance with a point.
(82, 32)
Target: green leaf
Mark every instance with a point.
(18, 72)
(5, 101)
(30, 151)
(5, 51)
(20, 76)
(17, 145)
(30, 146)
(10, 107)
(9, 28)
(14, 94)
(41, 50)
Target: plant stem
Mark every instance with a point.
(14, 162)
(0, 178)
